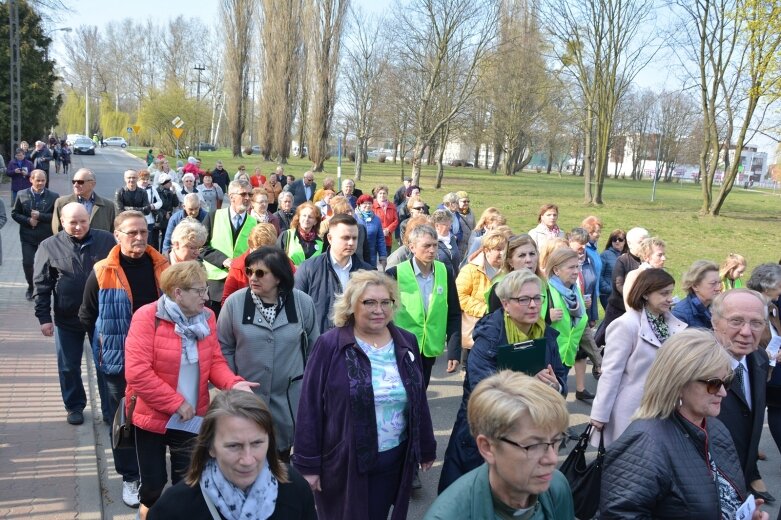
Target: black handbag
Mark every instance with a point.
(122, 431)
(585, 480)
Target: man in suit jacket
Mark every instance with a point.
(302, 189)
(739, 319)
(101, 211)
(33, 209)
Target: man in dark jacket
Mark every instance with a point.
(41, 158)
(303, 189)
(62, 264)
(739, 319)
(323, 277)
(220, 176)
(33, 211)
(131, 196)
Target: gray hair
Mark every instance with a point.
(450, 198)
(285, 195)
(189, 230)
(579, 235)
(696, 273)
(233, 185)
(420, 231)
(193, 199)
(765, 277)
(442, 216)
(188, 176)
(634, 236)
(718, 303)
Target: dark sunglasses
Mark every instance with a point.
(79, 181)
(617, 239)
(259, 273)
(713, 384)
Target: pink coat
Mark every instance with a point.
(630, 348)
(152, 360)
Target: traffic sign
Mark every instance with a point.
(177, 122)
(130, 129)
(177, 132)
(136, 128)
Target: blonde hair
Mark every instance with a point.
(696, 273)
(494, 239)
(182, 275)
(263, 234)
(514, 281)
(507, 399)
(557, 258)
(687, 356)
(548, 248)
(344, 306)
(730, 263)
(412, 223)
(648, 245)
(490, 216)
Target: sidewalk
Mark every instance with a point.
(48, 468)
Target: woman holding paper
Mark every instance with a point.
(171, 356)
(517, 321)
(766, 279)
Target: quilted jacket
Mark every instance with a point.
(659, 468)
(153, 354)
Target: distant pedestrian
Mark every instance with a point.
(19, 169)
(3, 219)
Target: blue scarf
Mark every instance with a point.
(570, 296)
(366, 215)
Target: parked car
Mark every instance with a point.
(115, 141)
(256, 149)
(84, 145)
(207, 147)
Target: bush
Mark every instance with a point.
(248, 150)
(382, 157)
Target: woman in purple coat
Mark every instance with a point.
(363, 423)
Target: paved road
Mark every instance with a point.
(50, 470)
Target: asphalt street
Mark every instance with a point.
(444, 393)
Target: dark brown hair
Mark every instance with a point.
(617, 233)
(648, 281)
(234, 403)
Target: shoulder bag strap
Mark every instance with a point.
(210, 505)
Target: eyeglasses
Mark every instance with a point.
(464, 200)
(373, 305)
(80, 182)
(754, 325)
(243, 194)
(193, 248)
(713, 384)
(536, 450)
(524, 301)
(137, 233)
(259, 273)
(202, 291)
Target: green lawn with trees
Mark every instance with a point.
(750, 223)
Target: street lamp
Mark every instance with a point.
(199, 68)
(63, 29)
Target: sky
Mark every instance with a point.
(662, 73)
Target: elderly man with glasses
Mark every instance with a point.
(101, 211)
(230, 228)
(117, 287)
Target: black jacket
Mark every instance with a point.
(658, 468)
(127, 200)
(317, 278)
(23, 207)
(182, 502)
(62, 267)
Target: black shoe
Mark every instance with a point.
(585, 395)
(75, 417)
(29, 295)
(416, 484)
(764, 495)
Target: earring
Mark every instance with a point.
(680, 402)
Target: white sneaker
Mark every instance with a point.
(130, 494)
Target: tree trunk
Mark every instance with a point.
(550, 160)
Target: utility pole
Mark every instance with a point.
(199, 68)
(16, 98)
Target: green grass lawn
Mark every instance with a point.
(750, 223)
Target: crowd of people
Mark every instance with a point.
(320, 312)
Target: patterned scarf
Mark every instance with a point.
(268, 311)
(257, 503)
(658, 325)
(553, 232)
(307, 236)
(189, 329)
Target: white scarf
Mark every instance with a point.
(258, 503)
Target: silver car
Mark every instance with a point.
(115, 141)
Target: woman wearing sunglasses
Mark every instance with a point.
(171, 356)
(676, 460)
(615, 247)
(266, 333)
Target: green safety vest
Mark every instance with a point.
(429, 327)
(727, 284)
(222, 241)
(569, 336)
(294, 250)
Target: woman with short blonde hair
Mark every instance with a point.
(702, 284)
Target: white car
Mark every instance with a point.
(115, 141)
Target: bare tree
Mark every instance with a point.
(363, 51)
(735, 50)
(325, 21)
(597, 43)
(238, 16)
(432, 34)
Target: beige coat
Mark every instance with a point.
(630, 348)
